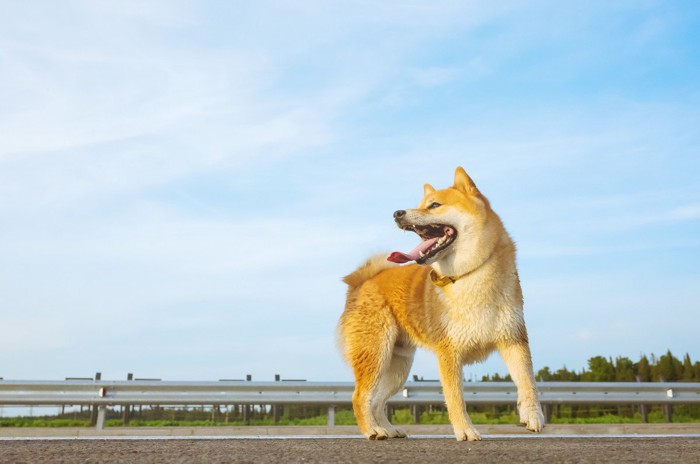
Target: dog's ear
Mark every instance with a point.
(428, 189)
(465, 183)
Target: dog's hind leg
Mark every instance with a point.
(367, 383)
(392, 378)
(368, 342)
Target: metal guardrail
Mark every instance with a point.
(101, 393)
(148, 392)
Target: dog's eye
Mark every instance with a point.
(434, 205)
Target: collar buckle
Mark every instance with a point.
(441, 281)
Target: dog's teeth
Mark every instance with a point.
(421, 254)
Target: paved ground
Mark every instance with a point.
(353, 450)
(349, 430)
(662, 443)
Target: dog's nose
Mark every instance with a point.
(399, 214)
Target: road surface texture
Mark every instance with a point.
(624, 443)
(674, 449)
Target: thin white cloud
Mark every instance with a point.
(684, 213)
(434, 76)
(110, 99)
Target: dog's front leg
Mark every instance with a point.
(451, 378)
(516, 356)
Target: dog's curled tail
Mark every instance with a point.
(369, 269)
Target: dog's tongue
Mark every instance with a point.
(398, 257)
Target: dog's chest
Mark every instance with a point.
(474, 321)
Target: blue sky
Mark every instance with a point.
(184, 184)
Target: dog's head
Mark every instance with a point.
(443, 220)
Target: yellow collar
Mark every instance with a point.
(442, 281)
(446, 280)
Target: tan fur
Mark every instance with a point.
(390, 310)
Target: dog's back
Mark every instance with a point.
(366, 271)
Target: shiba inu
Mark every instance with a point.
(462, 300)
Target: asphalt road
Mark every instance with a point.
(662, 449)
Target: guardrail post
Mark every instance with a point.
(547, 410)
(331, 415)
(668, 412)
(246, 414)
(643, 408)
(416, 413)
(93, 411)
(276, 412)
(126, 409)
(644, 412)
(100, 421)
(276, 409)
(247, 407)
(667, 408)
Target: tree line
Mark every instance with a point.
(665, 368)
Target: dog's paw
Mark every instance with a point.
(396, 432)
(378, 433)
(382, 433)
(532, 418)
(468, 434)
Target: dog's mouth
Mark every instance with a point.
(434, 239)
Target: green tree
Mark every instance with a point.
(668, 367)
(544, 374)
(624, 370)
(565, 375)
(643, 369)
(688, 370)
(600, 370)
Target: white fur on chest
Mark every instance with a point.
(476, 319)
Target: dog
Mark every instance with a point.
(462, 300)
